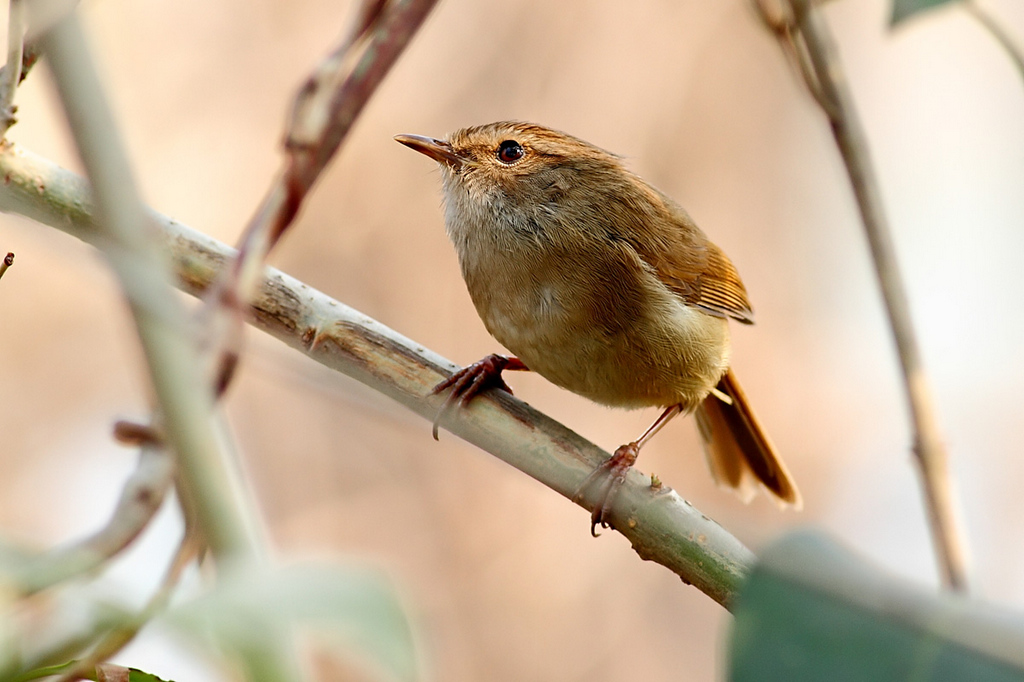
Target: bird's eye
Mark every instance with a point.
(510, 151)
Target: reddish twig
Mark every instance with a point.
(324, 111)
(7, 262)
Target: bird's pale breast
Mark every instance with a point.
(647, 348)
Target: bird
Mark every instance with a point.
(604, 286)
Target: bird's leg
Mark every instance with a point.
(472, 379)
(615, 469)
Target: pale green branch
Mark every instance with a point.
(129, 241)
(209, 483)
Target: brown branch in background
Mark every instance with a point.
(133, 433)
(7, 262)
(932, 458)
(1002, 37)
(324, 111)
(661, 526)
(29, 56)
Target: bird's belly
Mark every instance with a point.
(674, 354)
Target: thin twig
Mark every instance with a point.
(332, 98)
(929, 447)
(323, 113)
(119, 637)
(29, 56)
(44, 645)
(7, 262)
(141, 497)
(12, 70)
(782, 26)
(1001, 35)
(661, 526)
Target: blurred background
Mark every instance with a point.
(501, 577)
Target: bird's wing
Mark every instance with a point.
(696, 270)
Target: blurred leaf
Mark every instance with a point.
(248, 608)
(14, 560)
(902, 9)
(38, 673)
(814, 611)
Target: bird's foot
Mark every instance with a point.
(614, 470)
(472, 379)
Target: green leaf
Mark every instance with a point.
(136, 675)
(814, 611)
(251, 607)
(902, 9)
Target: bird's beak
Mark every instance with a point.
(438, 150)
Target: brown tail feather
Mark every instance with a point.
(739, 452)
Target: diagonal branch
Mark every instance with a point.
(661, 525)
(328, 104)
(929, 447)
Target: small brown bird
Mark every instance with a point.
(602, 285)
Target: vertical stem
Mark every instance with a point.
(207, 472)
(186, 401)
(929, 447)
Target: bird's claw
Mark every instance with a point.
(615, 468)
(469, 381)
